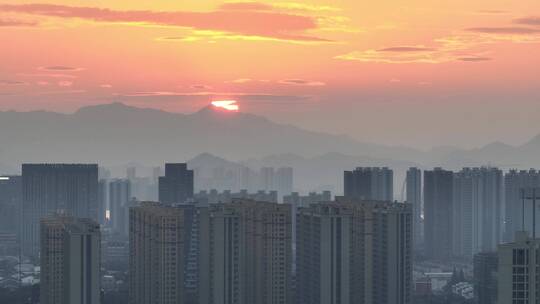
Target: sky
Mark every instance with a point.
(418, 73)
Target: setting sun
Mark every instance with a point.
(229, 105)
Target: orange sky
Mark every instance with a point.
(340, 66)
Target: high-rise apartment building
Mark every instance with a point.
(176, 187)
(10, 204)
(131, 173)
(103, 201)
(157, 237)
(245, 252)
(283, 181)
(477, 210)
(119, 197)
(438, 199)
(267, 178)
(519, 270)
(514, 183)
(354, 252)
(369, 183)
(215, 197)
(298, 201)
(485, 277)
(71, 189)
(70, 261)
(414, 197)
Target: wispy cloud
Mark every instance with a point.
(60, 68)
(16, 23)
(193, 96)
(4, 82)
(510, 30)
(399, 54)
(474, 59)
(65, 83)
(531, 20)
(250, 6)
(239, 22)
(491, 12)
(468, 45)
(241, 80)
(407, 49)
(302, 82)
(200, 87)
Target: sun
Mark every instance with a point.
(229, 105)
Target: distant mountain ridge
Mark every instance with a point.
(117, 134)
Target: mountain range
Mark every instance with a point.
(116, 133)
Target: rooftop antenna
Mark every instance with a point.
(522, 209)
(533, 198)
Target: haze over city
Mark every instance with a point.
(269, 152)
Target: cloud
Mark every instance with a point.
(241, 80)
(11, 82)
(508, 30)
(106, 86)
(161, 96)
(60, 68)
(407, 49)
(491, 12)
(47, 75)
(16, 23)
(474, 59)
(382, 56)
(266, 23)
(532, 20)
(65, 83)
(302, 82)
(250, 6)
(200, 87)
(295, 6)
(306, 7)
(467, 46)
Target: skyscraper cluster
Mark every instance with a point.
(369, 183)
(55, 188)
(460, 214)
(225, 248)
(243, 178)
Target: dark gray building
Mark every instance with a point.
(69, 189)
(157, 238)
(70, 261)
(10, 204)
(369, 183)
(514, 183)
(177, 185)
(354, 252)
(103, 201)
(414, 197)
(438, 194)
(246, 254)
(119, 197)
(477, 210)
(485, 277)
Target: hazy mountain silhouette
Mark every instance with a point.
(117, 134)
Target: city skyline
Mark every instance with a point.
(402, 61)
(269, 152)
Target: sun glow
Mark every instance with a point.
(229, 105)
